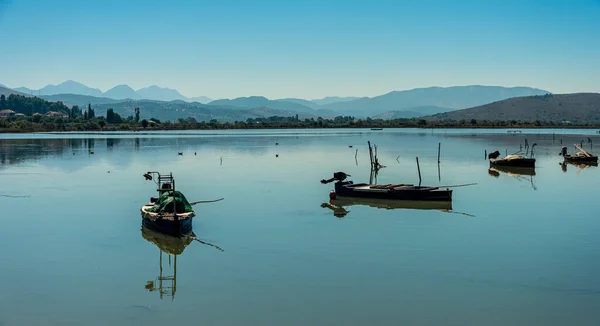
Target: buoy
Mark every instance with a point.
(276, 155)
(332, 195)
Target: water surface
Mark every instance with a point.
(514, 250)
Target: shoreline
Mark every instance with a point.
(510, 130)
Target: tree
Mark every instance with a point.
(473, 121)
(101, 123)
(137, 114)
(144, 123)
(2, 102)
(90, 112)
(110, 115)
(75, 112)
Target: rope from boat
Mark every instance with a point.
(454, 186)
(206, 201)
(204, 243)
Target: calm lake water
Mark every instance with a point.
(514, 250)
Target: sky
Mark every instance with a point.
(301, 48)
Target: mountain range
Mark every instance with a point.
(119, 92)
(576, 108)
(166, 103)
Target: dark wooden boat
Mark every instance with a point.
(388, 191)
(376, 128)
(170, 213)
(513, 161)
(582, 157)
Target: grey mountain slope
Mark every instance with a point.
(80, 100)
(578, 107)
(415, 112)
(160, 94)
(7, 92)
(456, 97)
(333, 99)
(260, 101)
(201, 112)
(121, 92)
(200, 99)
(24, 90)
(70, 87)
(304, 102)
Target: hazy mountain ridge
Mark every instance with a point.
(7, 91)
(261, 101)
(414, 112)
(455, 97)
(578, 107)
(119, 92)
(398, 104)
(333, 99)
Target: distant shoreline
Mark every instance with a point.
(175, 127)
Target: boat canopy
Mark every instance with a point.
(171, 201)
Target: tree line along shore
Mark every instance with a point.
(20, 114)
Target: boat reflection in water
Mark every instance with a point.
(579, 165)
(171, 246)
(166, 282)
(519, 173)
(338, 206)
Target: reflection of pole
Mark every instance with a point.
(419, 170)
(174, 278)
(160, 277)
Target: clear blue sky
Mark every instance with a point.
(301, 48)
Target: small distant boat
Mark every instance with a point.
(388, 191)
(580, 157)
(376, 128)
(514, 160)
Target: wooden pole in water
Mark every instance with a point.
(439, 149)
(419, 170)
(485, 155)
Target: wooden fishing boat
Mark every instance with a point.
(376, 128)
(513, 161)
(170, 213)
(387, 191)
(582, 156)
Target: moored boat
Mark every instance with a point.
(170, 213)
(387, 191)
(582, 156)
(514, 160)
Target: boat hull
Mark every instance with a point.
(523, 162)
(167, 223)
(407, 192)
(581, 159)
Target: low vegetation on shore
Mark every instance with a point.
(20, 114)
